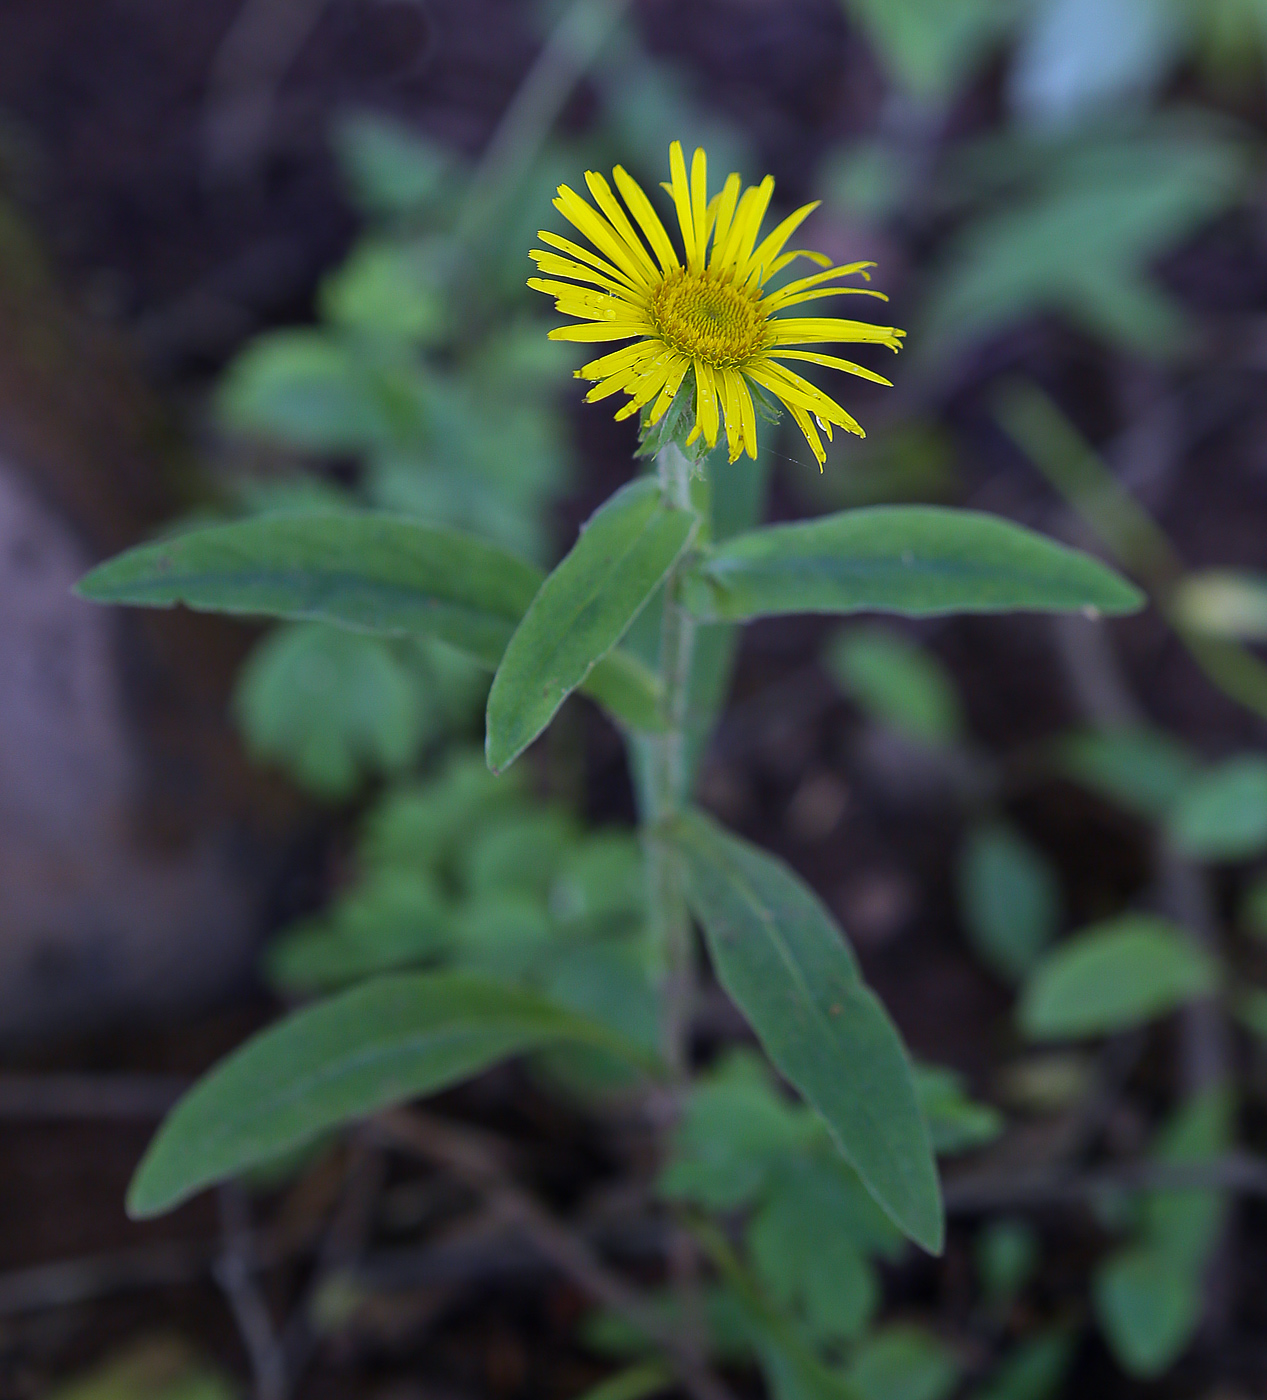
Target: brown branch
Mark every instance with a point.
(475, 1159)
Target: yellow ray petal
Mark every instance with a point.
(784, 259)
(597, 330)
(586, 255)
(618, 360)
(669, 392)
(699, 205)
(809, 330)
(832, 362)
(752, 221)
(791, 388)
(619, 220)
(805, 424)
(803, 284)
(724, 213)
(648, 220)
(680, 189)
(748, 418)
(818, 293)
(772, 245)
(599, 232)
(706, 419)
(566, 267)
(729, 387)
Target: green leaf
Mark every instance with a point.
(783, 961)
(916, 560)
(1142, 770)
(367, 571)
(1223, 815)
(903, 1362)
(1009, 897)
(581, 611)
(1149, 1306)
(897, 683)
(381, 1043)
(1114, 976)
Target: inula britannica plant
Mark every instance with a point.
(640, 617)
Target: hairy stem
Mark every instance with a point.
(667, 782)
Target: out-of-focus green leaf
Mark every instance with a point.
(395, 919)
(388, 1040)
(384, 289)
(898, 683)
(1148, 1309)
(1223, 603)
(303, 388)
(903, 1362)
(736, 1128)
(1078, 235)
(918, 560)
(1114, 976)
(931, 47)
(1034, 1370)
(1007, 1253)
(1223, 814)
(956, 1122)
(809, 1240)
(391, 167)
(329, 705)
(1142, 770)
(154, 1368)
(1009, 898)
(581, 611)
(1077, 57)
(784, 962)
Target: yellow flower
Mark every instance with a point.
(712, 313)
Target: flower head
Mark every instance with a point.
(710, 313)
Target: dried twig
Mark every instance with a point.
(476, 1161)
(234, 1271)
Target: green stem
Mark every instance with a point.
(667, 781)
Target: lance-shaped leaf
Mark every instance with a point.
(362, 570)
(787, 967)
(582, 610)
(915, 560)
(383, 1042)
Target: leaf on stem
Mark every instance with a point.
(381, 1043)
(581, 611)
(366, 571)
(915, 560)
(784, 962)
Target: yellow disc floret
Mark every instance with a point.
(698, 315)
(712, 313)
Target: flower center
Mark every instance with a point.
(700, 316)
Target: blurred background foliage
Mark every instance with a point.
(1065, 199)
